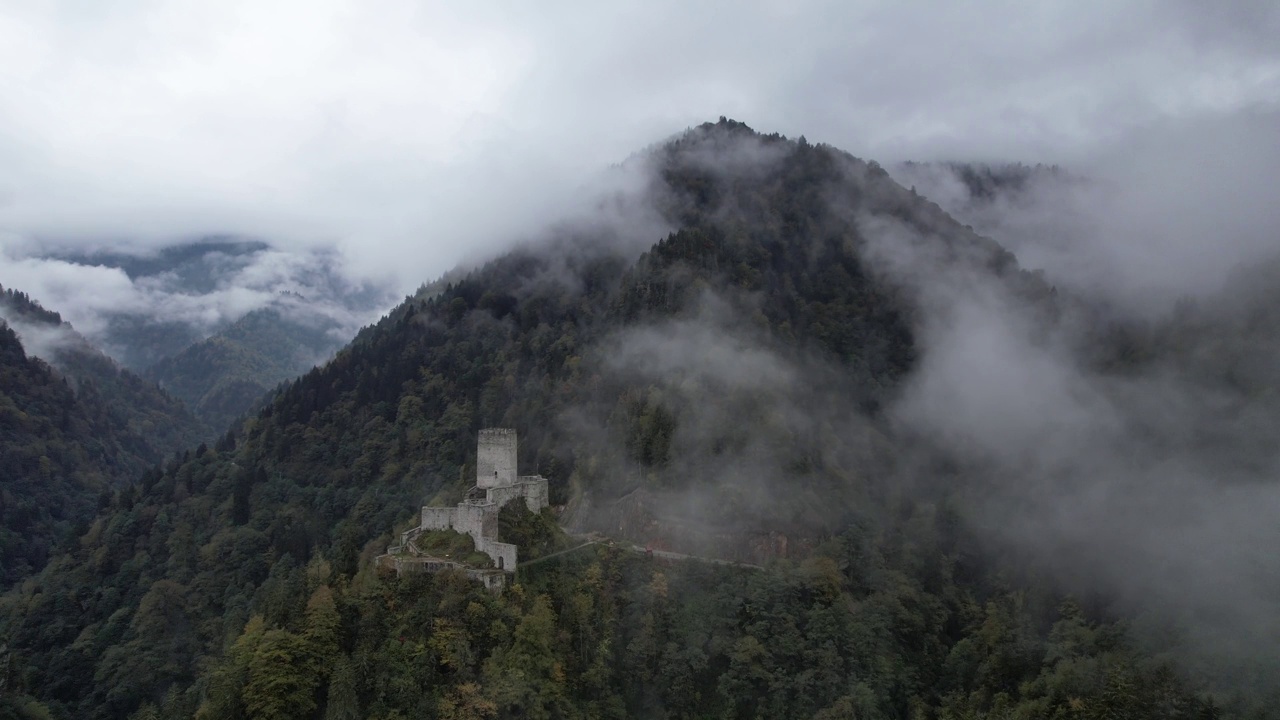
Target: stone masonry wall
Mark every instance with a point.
(530, 487)
(478, 521)
(496, 458)
(496, 474)
(503, 554)
(500, 496)
(434, 518)
(535, 492)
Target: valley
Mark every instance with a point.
(772, 382)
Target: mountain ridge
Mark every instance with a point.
(739, 367)
(218, 321)
(76, 428)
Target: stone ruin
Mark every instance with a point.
(496, 485)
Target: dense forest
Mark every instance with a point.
(228, 373)
(722, 392)
(219, 322)
(156, 419)
(71, 434)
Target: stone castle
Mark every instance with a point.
(496, 485)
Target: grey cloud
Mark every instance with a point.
(1247, 24)
(408, 138)
(414, 136)
(1153, 485)
(743, 414)
(1148, 219)
(42, 341)
(702, 355)
(308, 286)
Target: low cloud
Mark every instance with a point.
(413, 136)
(697, 419)
(43, 341)
(198, 296)
(1125, 454)
(1153, 217)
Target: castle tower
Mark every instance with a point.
(496, 458)
(476, 516)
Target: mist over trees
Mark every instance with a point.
(75, 429)
(217, 322)
(814, 368)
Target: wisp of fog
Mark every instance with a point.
(1151, 480)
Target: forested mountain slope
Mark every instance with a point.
(219, 321)
(139, 339)
(72, 434)
(722, 392)
(62, 451)
(223, 376)
(157, 420)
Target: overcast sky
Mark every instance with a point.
(412, 134)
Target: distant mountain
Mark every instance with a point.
(222, 321)
(955, 185)
(226, 374)
(77, 427)
(1023, 207)
(722, 393)
(981, 182)
(197, 265)
(140, 338)
(159, 420)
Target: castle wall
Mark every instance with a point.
(503, 554)
(496, 458)
(496, 474)
(532, 488)
(500, 496)
(478, 521)
(535, 492)
(434, 518)
(492, 580)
